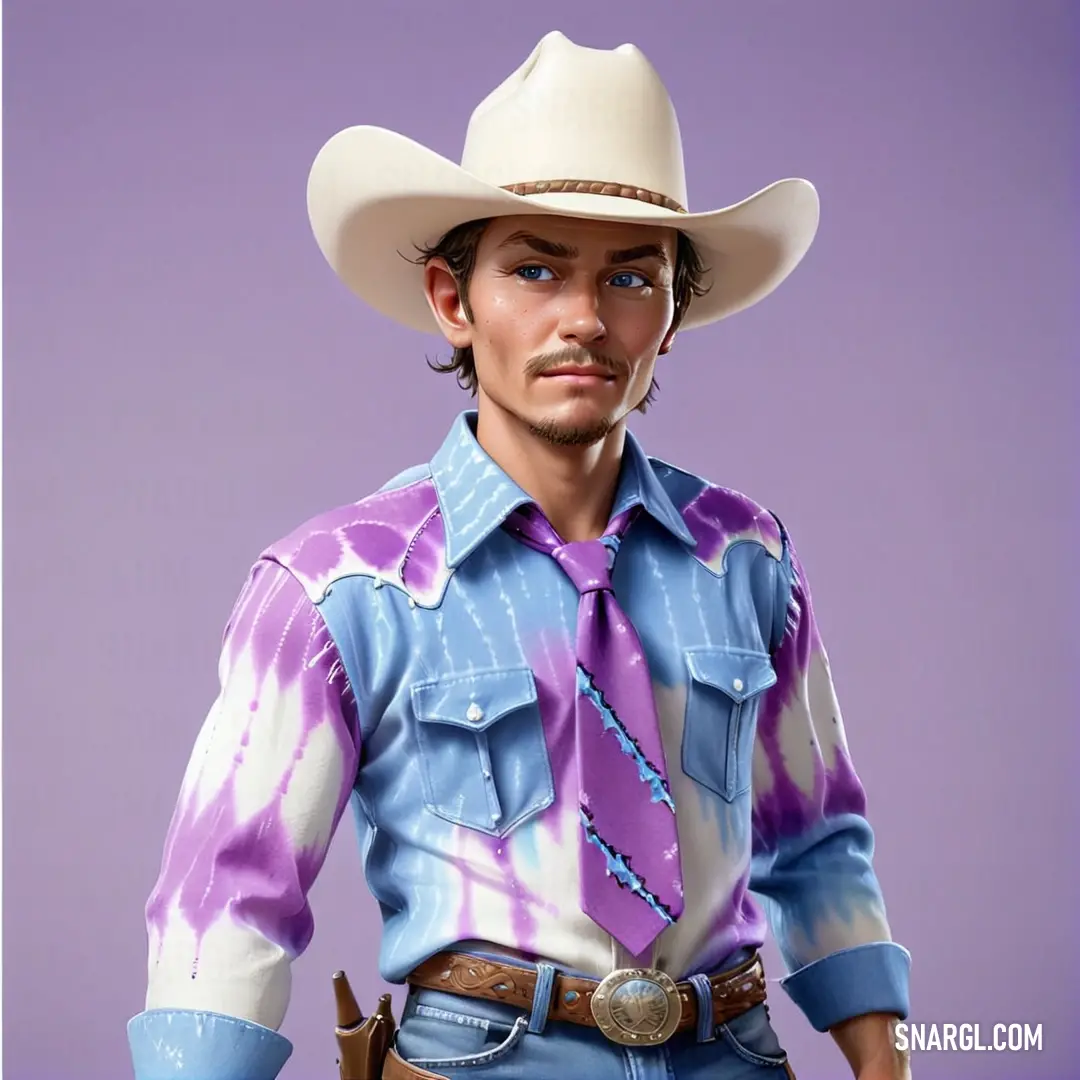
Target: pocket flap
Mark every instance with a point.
(738, 674)
(474, 700)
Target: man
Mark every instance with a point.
(576, 696)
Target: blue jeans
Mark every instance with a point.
(462, 1038)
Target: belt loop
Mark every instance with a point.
(703, 991)
(541, 1002)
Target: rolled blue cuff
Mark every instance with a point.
(852, 982)
(170, 1043)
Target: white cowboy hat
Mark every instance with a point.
(576, 132)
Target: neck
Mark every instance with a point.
(573, 485)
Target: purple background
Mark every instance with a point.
(186, 381)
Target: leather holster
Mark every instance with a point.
(363, 1044)
(397, 1068)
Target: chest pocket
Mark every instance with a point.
(483, 757)
(722, 703)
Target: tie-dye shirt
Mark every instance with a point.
(406, 656)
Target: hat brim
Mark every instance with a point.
(375, 196)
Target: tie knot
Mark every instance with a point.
(587, 563)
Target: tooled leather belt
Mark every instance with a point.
(632, 1006)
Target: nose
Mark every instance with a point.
(580, 322)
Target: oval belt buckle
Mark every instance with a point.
(637, 1007)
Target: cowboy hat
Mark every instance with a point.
(574, 132)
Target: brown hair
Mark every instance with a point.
(458, 247)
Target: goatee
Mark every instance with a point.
(556, 434)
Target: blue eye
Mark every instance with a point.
(627, 279)
(532, 273)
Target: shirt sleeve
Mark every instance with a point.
(269, 777)
(813, 846)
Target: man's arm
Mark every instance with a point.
(268, 780)
(870, 1046)
(813, 848)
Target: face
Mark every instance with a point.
(569, 317)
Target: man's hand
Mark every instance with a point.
(869, 1044)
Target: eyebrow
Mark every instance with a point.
(564, 251)
(642, 251)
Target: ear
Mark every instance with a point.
(443, 298)
(668, 342)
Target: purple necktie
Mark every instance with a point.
(631, 882)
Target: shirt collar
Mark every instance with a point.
(476, 496)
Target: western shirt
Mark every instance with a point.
(405, 657)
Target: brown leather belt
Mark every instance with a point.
(633, 1006)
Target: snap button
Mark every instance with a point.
(738, 684)
(474, 714)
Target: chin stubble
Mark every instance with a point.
(556, 434)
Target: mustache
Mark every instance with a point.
(576, 356)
